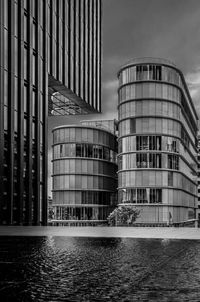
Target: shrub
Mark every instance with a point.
(123, 215)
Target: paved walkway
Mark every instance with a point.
(131, 232)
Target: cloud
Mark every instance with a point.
(193, 82)
(113, 85)
(193, 77)
(109, 97)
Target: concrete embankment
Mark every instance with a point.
(123, 232)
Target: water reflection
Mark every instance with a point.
(99, 269)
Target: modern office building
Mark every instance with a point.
(50, 62)
(157, 142)
(84, 175)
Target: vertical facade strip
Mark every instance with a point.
(29, 118)
(84, 47)
(88, 52)
(11, 96)
(36, 105)
(45, 122)
(2, 9)
(64, 4)
(21, 109)
(69, 44)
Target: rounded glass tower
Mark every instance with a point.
(157, 142)
(84, 175)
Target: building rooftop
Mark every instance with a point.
(148, 60)
(82, 126)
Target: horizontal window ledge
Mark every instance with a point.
(81, 205)
(84, 158)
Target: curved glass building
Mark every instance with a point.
(84, 175)
(157, 142)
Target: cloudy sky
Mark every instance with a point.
(145, 28)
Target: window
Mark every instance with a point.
(25, 63)
(132, 126)
(33, 102)
(145, 72)
(34, 32)
(155, 72)
(155, 195)
(15, 121)
(86, 150)
(140, 195)
(34, 69)
(16, 56)
(61, 150)
(158, 73)
(187, 111)
(78, 150)
(148, 160)
(5, 48)
(25, 126)
(154, 160)
(185, 138)
(138, 72)
(173, 162)
(142, 160)
(170, 179)
(25, 28)
(5, 118)
(148, 143)
(154, 142)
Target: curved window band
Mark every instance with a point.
(149, 72)
(150, 90)
(85, 151)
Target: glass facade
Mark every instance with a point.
(50, 61)
(73, 35)
(84, 174)
(157, 142)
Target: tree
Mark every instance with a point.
(123, 215)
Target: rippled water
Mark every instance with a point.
(98, 269)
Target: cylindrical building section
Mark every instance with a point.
(84, 174)
(157, 142)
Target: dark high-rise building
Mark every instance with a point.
(50, 62)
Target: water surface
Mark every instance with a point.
(99, 269)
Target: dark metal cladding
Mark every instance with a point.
(44, 69)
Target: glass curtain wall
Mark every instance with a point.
(84, 175)
(48, 47)
(157, 142)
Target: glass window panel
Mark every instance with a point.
(152, 90)
(72, 134)
(25, 63)
(139, 88)
(5, 118)
(132, 126)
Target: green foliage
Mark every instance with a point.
(123, 215)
